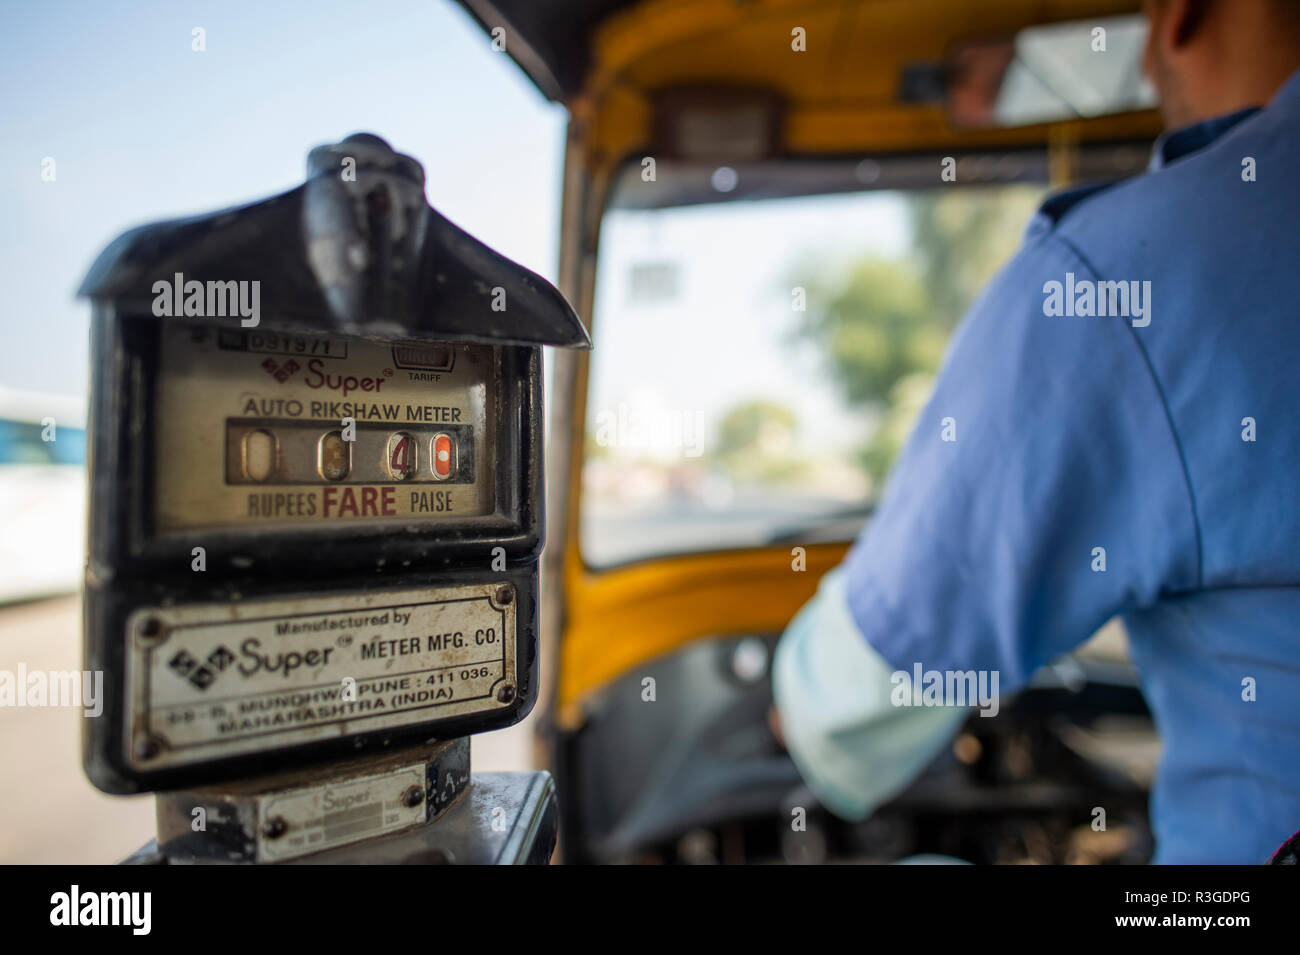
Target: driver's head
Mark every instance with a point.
(1210, 57)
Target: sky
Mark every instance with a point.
(736, 265)
(142, 127)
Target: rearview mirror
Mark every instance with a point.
(1048, 73)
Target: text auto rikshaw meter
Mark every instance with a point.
(316, 480)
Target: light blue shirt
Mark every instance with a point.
(1085, 456)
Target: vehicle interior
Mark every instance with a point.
(774, 213)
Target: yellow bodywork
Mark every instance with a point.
(840, 92)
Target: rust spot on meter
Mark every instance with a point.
(333, 458)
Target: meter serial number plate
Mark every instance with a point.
(337, 814)
(217, 680)
(257, 428)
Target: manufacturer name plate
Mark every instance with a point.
(217, 680)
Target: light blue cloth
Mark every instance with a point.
(853, 747)
(1123, 439)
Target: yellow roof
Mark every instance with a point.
(612, 61)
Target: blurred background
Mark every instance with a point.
(135, 125)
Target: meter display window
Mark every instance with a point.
(260, 429)
(761, 362)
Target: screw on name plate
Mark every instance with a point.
(151, 630)
(505, 694)
(413, 796)
(275, 827)
(148, 747)
(505, 594)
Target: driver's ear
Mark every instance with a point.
(1171, 24)
(1183, 20)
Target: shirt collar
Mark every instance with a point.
(1178, 143)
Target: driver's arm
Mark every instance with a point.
(833, 692)
(1046, 439)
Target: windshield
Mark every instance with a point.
(758, 364)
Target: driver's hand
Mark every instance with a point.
(774, 724)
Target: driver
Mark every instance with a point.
(1114, 432)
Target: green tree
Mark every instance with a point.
(753, 438)
(961, 238)
(883, 328)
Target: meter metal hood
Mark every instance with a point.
(315, 474)
(356, 250)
